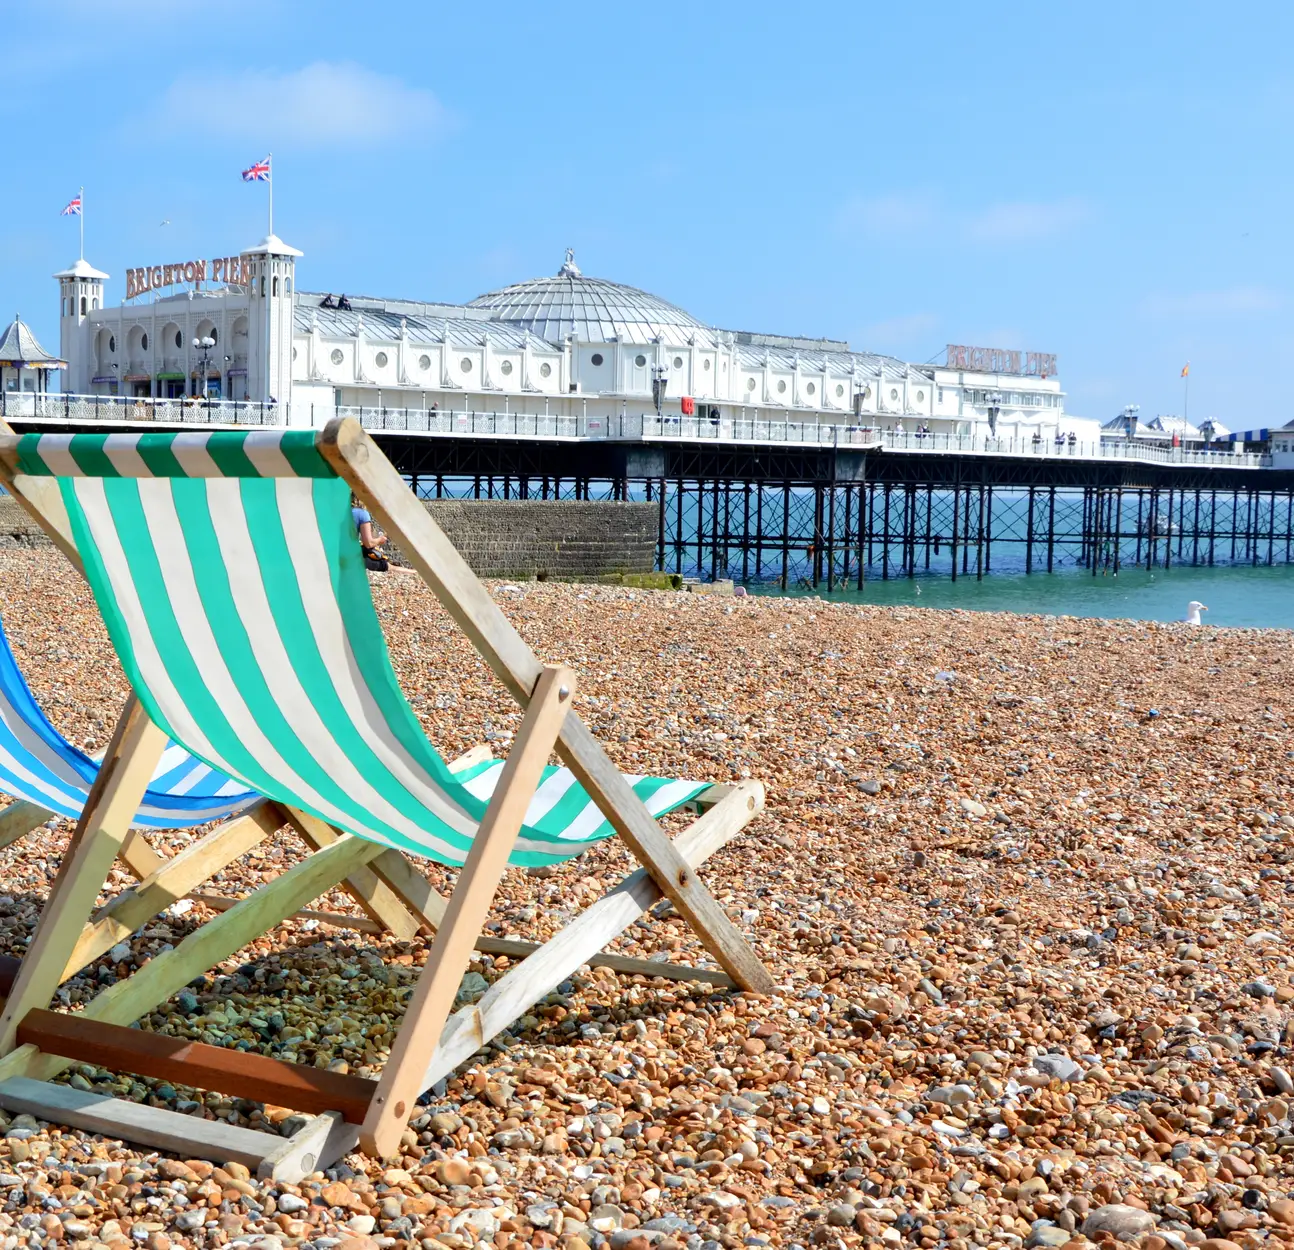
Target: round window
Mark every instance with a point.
(595, 359)
(505, 368)
(894, 394)
(812, 390)
(678, 362)
(112, 343)
(781, 388)
(143, 341)
(336, 356)
(750, 384)
(921, 397)
(424, 361)
(706, 366)
(640, 360)
(840, 390)
(179, 341)
(545, 370)
(465, 364)
(380, 360)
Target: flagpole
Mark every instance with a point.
(1186, 395)
(81, 217)
(271, 165)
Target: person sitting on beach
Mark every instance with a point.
(369, 539)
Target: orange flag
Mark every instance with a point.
(1186, 369)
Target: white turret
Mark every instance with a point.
(80, 289)
(271, 269)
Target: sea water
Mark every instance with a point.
(1259, 597)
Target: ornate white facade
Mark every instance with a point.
(563, 345)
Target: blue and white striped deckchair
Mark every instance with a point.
(40, 767)
(228, 572)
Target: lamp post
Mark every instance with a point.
(204, 345)
(1130, 419)
(659, 381)
(994, 400)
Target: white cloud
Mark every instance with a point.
(1022, 222)
(911, 214)
(894, 214)
(324, 105)
(1236, 301)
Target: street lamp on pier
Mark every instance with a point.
(1130, 419)
(204, 345)
(994, 401)
(659, 381)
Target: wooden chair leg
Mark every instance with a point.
(136, 747)
(433, 999)
(174, 879)
(520, 988)
(224, 935)
(376, 898)
(606, 786)
(19, 819)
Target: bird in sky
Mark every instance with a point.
(166, 221)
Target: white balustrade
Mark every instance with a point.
(95, 410)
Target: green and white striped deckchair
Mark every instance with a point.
(228, 572)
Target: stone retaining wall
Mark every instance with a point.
(16, 526)
(557, 539)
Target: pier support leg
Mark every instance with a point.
(1051, 527)
(1028, 533)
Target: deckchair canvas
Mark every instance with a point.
(228, 574)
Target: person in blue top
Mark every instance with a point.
(369, 540)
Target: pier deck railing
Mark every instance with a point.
(619, 427)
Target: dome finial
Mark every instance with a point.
(569, 268)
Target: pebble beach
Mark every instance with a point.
(1021, 883)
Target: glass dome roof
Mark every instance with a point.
(592, 309)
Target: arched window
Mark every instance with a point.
(274, 286)
(83, 305)
(65, 305)
(262, 286)
(94, 306)
(287, 286)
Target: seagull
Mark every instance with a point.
(165, 222)
(1193, 610)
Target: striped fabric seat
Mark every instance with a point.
(40, 766)
(228, 570)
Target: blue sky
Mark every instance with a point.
(1109, 182)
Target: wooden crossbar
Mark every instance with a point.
(241, 1074)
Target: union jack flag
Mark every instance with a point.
(73, 208)
(259, 172)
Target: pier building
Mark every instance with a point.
(239, 327)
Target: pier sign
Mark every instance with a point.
(1001, 360)
(229, 269)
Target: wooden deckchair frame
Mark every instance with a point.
(430, 1043)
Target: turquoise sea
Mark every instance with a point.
(1262, 597)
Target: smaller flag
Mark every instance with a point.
(1186, 369)
(73, 208)
(259, 172)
